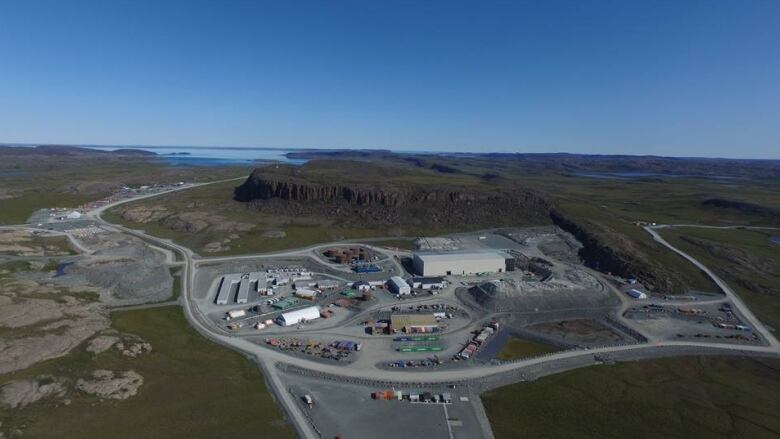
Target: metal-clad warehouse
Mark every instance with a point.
(460, 262)
(299, 315)
(399, 286)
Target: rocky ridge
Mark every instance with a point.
(441, 205)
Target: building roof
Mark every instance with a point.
(399, 281)
(428, 279)
(407, 320)
(308, 313)
(460, 255)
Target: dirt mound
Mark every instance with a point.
(127, 271)
(564, 290)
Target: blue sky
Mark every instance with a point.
(681, 78)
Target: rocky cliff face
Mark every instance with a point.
(607, 250)
(393, 204)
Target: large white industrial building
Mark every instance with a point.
(398, 286)
(460, 262)
(298, 316)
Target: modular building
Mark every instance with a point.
(361, 286)
(460, 262)
(327, 284)
(413, 323)
(399, 286)
(428, 283)
(306, 293)
(298, 316)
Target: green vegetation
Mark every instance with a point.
(215, 204)
(745, 259)
(401, 243)
(192, 388)
(7, 269)
(516, 348)
(620, 233)
(608, 208)
(176, 273)
(18, 209)
(714, 397)
(23, 244)
(57, 245)
(32, 180)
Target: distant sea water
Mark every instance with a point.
(629, 175)
(212, 156)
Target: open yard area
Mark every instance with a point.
(521, 348)
(746, 259)
(714, 397)
(192, 388)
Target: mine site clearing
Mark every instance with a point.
(347, 294)
(451, 306)
(453, 303)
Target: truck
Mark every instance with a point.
(308, 400)
(636, 294)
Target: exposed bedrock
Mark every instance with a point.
(415, 203)
(608, 250)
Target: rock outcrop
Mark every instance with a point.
(607, 250)
(20, 393)
(107, 385)
(450, 205)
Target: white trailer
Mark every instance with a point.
(236, 313)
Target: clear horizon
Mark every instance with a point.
(678, 79)
(397, 151)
